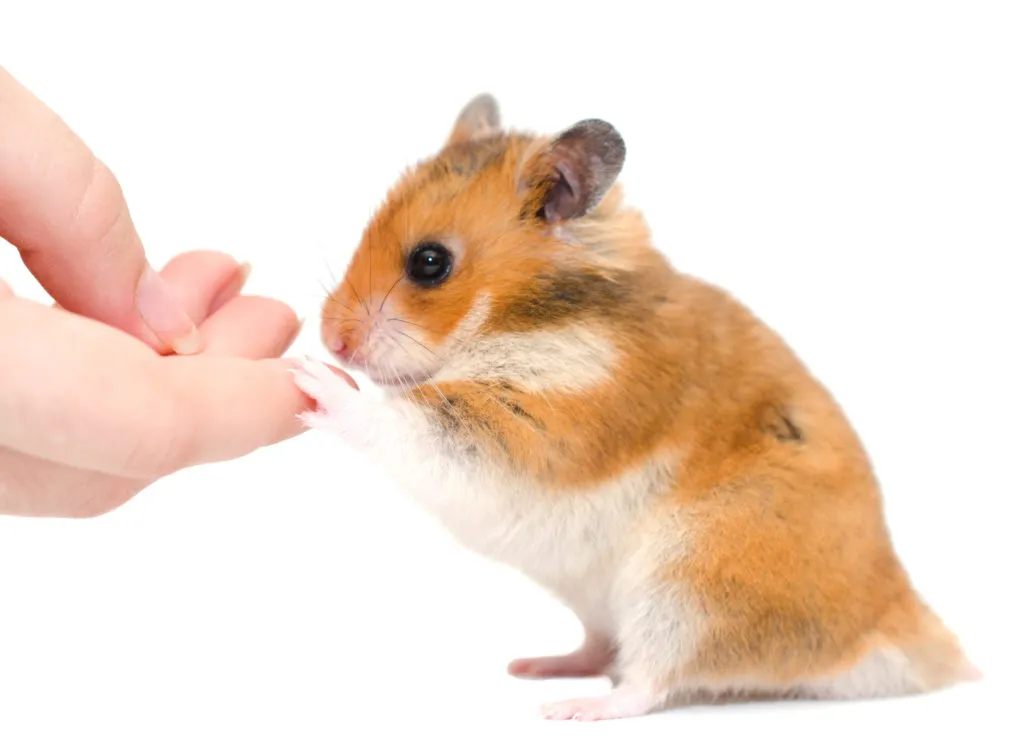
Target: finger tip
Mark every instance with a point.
(244, 272)
(234, 286)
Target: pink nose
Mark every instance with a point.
(342, 350)
(339, 347)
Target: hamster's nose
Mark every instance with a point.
(339, 348)
(342, 349)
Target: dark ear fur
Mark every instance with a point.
(571, 176)
(479, 118)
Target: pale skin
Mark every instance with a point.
(132, 374)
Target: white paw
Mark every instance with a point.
(621, 703)
(338, 403)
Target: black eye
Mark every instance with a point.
(429, 264)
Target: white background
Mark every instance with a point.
(854, 172)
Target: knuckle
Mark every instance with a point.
(100, 206)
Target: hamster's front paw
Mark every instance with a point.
(340, 407)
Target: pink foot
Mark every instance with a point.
(621, 703)
(591, 660)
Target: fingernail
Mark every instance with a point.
(244, 270)
(163, 315)
(234, 287)
(294, 336)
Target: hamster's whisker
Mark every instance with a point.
(359, 297)
(402, 380)
(410, 337)
(341, 320)
(491, 397)
(330, 294)
(450, 406)
(406, 386)
(431, 382)
(389, 293)
(343, 304)
(362, 345)
(334, 277)
(370, 265)
(414, 324)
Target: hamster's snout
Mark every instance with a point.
(365, 332)
(341, 348)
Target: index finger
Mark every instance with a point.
(65, 212)
(77, 392)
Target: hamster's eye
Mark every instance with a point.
(429, 264)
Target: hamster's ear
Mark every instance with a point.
(570, 176)
(478, 119)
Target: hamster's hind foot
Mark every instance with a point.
(623, 702)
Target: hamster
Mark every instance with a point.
(632, 439)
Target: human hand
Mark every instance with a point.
(103, 393)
